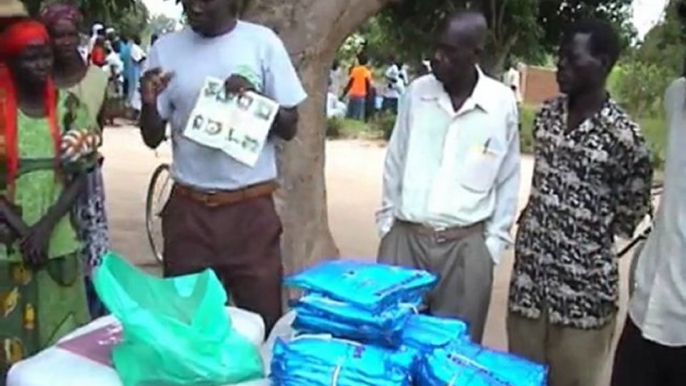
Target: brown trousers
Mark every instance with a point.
(240, 242)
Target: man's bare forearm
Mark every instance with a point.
(152, 125)
(286, 123)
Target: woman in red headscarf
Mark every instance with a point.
(42, 294)
(89, 84)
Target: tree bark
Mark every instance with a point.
(312, 31)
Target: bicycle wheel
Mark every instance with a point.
(159, 190)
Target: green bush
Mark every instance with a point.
(653, 130)
(526, 138)
(383, 123)
(639, 88)
(334, 127)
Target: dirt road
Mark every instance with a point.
(353, 173)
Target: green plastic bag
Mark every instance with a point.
(175, 331)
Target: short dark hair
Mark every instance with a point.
(604, 40)
(362, 59)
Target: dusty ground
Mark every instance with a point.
(354, 187)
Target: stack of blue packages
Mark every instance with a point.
(359, 300)
(439, 369)
(366, 285)
(511, 369)
(324, 361)
(467, 364)
(318, 314)
(427, 333)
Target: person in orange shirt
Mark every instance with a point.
(358, 88)
(98, 53)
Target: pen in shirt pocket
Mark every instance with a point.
(486, 144)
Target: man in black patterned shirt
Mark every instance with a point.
(591, 182)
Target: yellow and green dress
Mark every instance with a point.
(38, 306)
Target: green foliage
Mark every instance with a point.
(348, 51)
(384, 123)
(161, 24)
(526, 137)
(130, 16)
(334, 127)
(377, 128)
(554, 16)
(664, 44)
(527, 29)
(133, 22)
(653, 131)
(639, 87)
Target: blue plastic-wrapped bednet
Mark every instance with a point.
(468, 364)
(318, 314)
(368, 286)
(324, 361)
(511, 369)
(437, 369)
(426, 333)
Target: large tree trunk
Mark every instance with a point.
(312, 30)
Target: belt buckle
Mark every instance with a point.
(207, 199)
(438, 234)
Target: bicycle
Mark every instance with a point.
(159, 190)
(638, 242)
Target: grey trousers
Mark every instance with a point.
(460, 259)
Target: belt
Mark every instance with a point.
(441, 235)
(227, 197)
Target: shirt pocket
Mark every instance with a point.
(480, 170)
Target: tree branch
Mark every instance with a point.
(501, 16)
(494, 18)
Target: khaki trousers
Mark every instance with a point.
(460, 259)
(574, 357)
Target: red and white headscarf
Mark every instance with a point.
(56, 12)
(13, 40)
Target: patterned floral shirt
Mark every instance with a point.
(589, 184)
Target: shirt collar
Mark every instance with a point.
(480, 95)
(604, 118)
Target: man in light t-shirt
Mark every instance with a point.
(513, 81)
(221, 212)
(395, 86)
(138, 57)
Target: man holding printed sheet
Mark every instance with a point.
(221, 213)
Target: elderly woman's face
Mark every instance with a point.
(34, 64)
(65, 38)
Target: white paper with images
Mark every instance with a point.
(235, 124)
